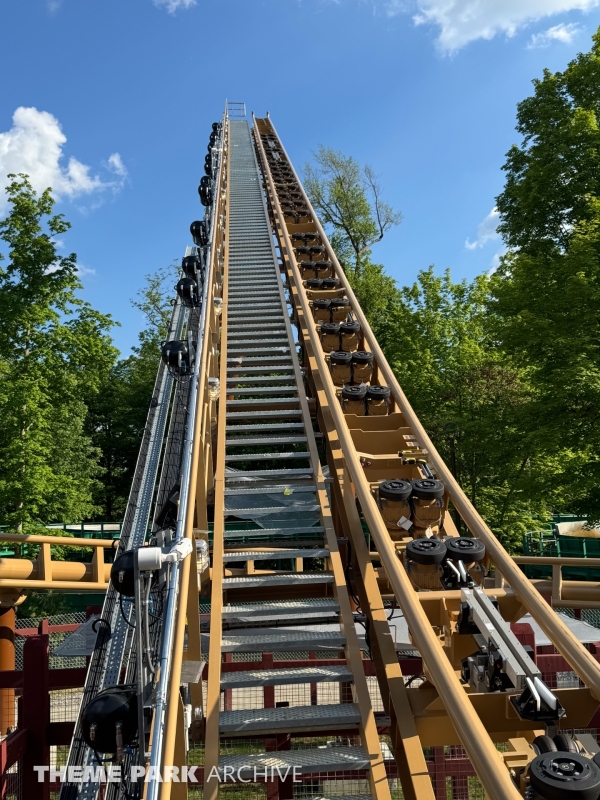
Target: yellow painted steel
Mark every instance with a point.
(581, 661)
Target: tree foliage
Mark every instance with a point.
(436, 336)
(552, 177)
(472, 398)
(54, 351)
(546, 294)
(117, 415)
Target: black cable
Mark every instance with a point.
(96, 622)
(347, 576)
(123, 613)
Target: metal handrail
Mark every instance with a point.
(185, 499)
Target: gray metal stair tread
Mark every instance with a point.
(262, 359)
(261, 390)
(238, 309)
(267, 334)
(273, 640)
(274, 489)
(281, 533)
(277, 579)
(242, 441)
(258, 370)
(273, 426)
(266, 456)
(268, 474)
(233, 325)
(283, 677)
(266, 331)
(278, 607)
(296, 508)
(263, 555)
(288, 412)
(241, 281)
(259, 292)
(262, 379)
(307, 760)
(289, 719)
(246, 298)
(270, 349)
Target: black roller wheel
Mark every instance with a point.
(427, 488)
(395, 489)
(122, 573)
(544, 744)
(565, 743)
(463, 548)
(556, 776)
(426, 551)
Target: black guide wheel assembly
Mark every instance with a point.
(426, 551)
(463, 548)
(562, 776)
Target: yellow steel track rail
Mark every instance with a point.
(484, 756)
(570, 648)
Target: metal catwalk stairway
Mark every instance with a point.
(297, 600)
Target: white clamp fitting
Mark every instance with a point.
(152, 558)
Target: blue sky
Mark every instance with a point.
(110, 102)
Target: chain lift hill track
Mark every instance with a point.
(290, 521)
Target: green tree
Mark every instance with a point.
(546, 292)
(552, 177)
(349, 203)
(473, 400)
(471, 397)
(54, 350)
(117, 415)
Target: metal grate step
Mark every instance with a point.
(278, 607)
(242, 441)
(257, 350)
(275, 360)
(290, 720)
(275, 555)
(306, 761)
(268, 474)
(256, 379)
(258, 370)
(270, 328)
(278, 579)
(285, 677)
(280, 533)
(266, 456)
(261, 390)
(298, 508)
(267, 336)
(277, 641)
(273, 489)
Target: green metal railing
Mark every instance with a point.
(550, 543)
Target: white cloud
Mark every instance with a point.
(34, 145)
(495, 263)
(559, 33)
(464, 21)
(116, 165)
(393, 7)
(174, 5)
(80, 269)
(486, 231)
(54, 5)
